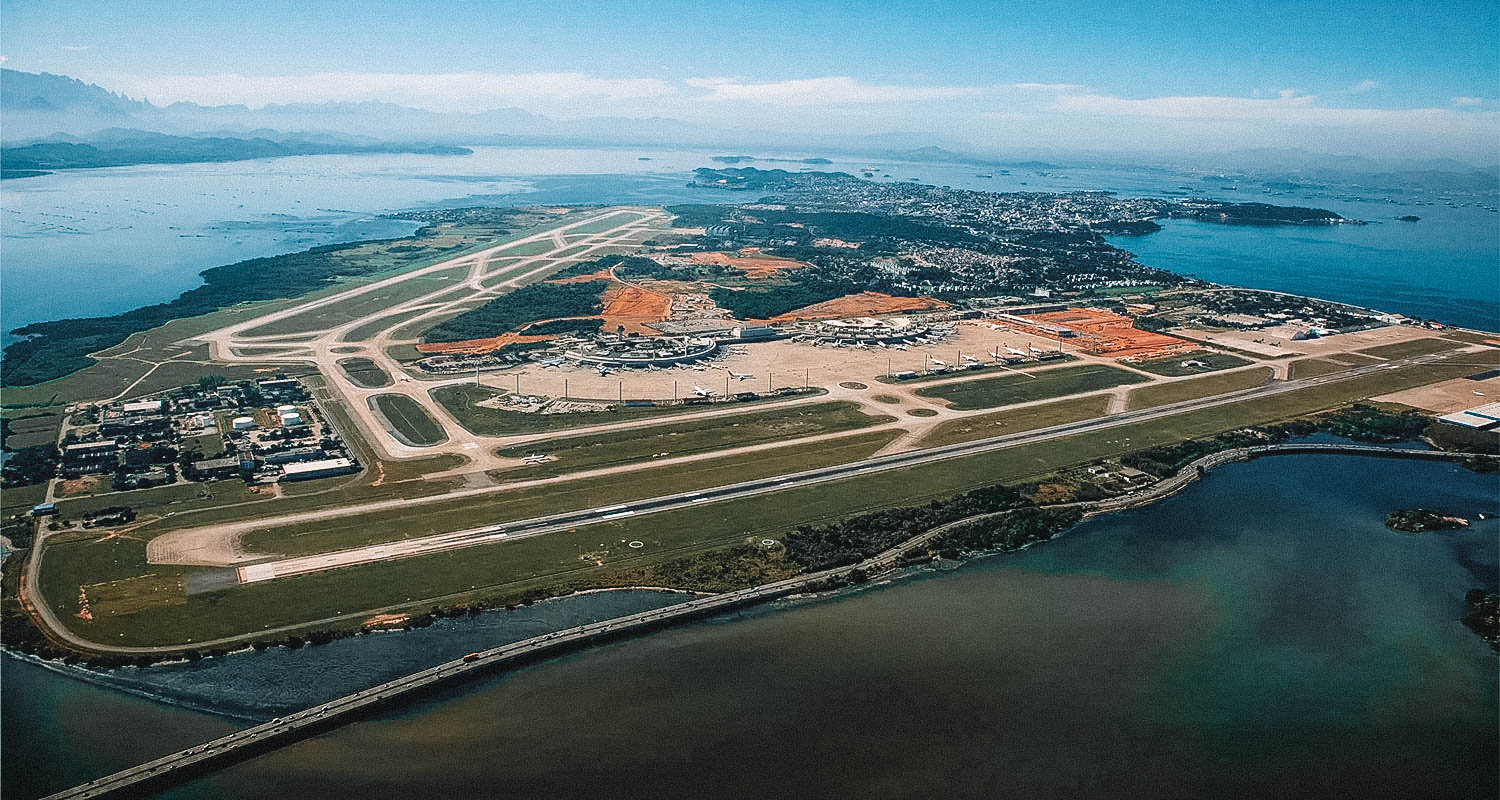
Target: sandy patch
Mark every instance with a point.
(749, 261)
(1448, 396)
(864, 304)
(633, 307)
(487, 345)
(1113, 335)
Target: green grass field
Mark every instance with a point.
(1313, 367)
(1412, 347)
(599, 226)
(660, 441)
(365, 373)
(1013, 388)
(32, 427)
(1165, 393)
(408, 421)
(984, 369)
(467, 512)
(1173, 367)
(361, 305)
(1000, 423)
(461, 400)
(505, 568)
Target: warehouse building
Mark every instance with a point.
(1484, 418)
(326, 468)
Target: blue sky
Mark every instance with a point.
(1407, 73)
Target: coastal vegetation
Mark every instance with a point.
(1484, 616)
(143, 147)
(1422, 520)
(49, 350)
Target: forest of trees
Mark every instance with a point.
(512, 311)
(767, 303)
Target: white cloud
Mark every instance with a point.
(460, 91)
(75, 48)
(1049, 87)
(1468, 101)
(822, 91)
(1285, 103)
(1363, 86)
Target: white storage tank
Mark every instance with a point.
(290, 418)
(243, 423)
(285, 409)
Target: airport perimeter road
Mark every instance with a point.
(301, 565)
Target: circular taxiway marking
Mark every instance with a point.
(637, 545)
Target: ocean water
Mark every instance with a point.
(117, 238)
(1259, 634)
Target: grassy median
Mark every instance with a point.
(1011, 388)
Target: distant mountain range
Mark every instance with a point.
(55, 122)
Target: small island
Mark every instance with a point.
(1484, 615)
(1408, 218)
(1421, 520)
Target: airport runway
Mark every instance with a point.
(537, 526)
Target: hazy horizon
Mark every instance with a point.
(1398, 81)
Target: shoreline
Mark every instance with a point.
(888, 567)
(895, 569)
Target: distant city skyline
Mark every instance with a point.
(1388, 79)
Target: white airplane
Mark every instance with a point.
(1480, 394)
(701, 392)
(534, 458)
(550, 362)
(740, 376)
(970, 360)
(699, 368)
(603, 370)
(862, 345)
(900, 347)
(939, 362)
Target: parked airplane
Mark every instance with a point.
(970, 360)
(550, 362)
(702, 392)
(900, 347)
(939, 362)
(603, 370)
(740, 376)
(534, 458)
